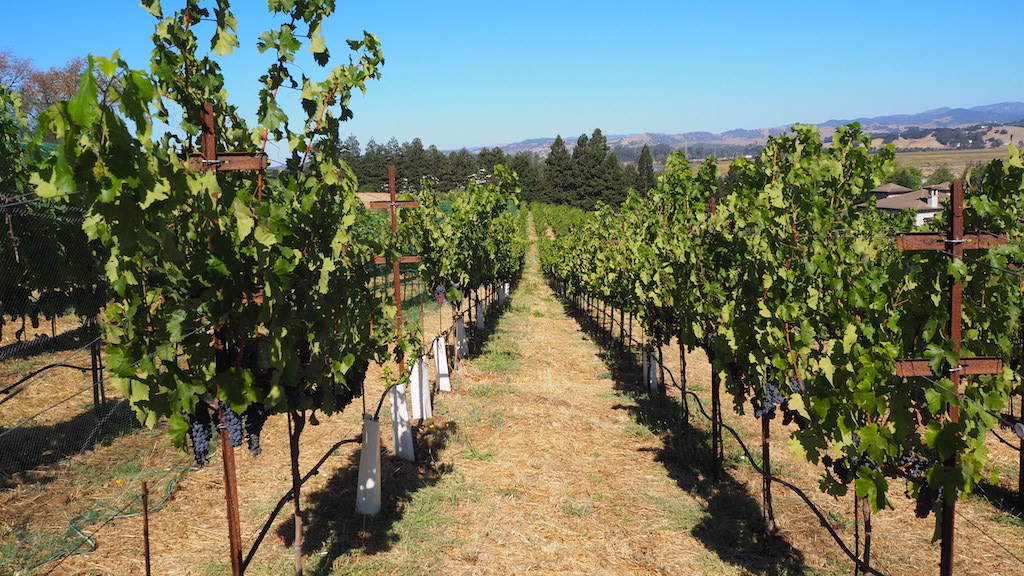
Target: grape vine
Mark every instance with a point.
(795, 290)
(271, 265)
(478, 240)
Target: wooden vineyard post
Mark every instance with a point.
(99, 399)
(766, 474)
(209, 159)
(954, 244)
(629, 357)
(1019, 416)
(717, 448)
(392, 207)
(682, 380)
(622, 328)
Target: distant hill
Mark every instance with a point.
(1002, 113)
(995, 118)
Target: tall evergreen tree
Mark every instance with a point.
(591, 173)
(613, 187)
(437, 164)
(488, 158)
(350, 147)
(350, 154)
(630, 177)
(411, 165)
(579, 161)
(558, 173)
(461, 167)
(583, 171)
(598, 144)
(525, 166)
(645, 170)
(373, 168)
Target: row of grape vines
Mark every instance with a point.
(49, 267)
(793, 286)
(234, 295)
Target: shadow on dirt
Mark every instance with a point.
(1003, 498)
(333, 529)
(27, 450)
(732, 524)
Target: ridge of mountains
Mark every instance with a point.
(997, 115)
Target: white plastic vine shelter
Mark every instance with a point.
(401, 430)
(444, 381)
(368, 491)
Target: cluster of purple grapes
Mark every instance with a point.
(199, 430)
(915, 465)
(775, 398)
(926, 498)
(764, 404)
(255, 417)
(246, 427)
(845, 468)
(233, 424)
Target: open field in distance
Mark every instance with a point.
(927, 160)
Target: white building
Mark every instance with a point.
(925, 203)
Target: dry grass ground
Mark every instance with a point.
(990, 528)
(928, 161)
(957, 160)
(543, 460)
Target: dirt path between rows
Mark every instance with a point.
(567, 482)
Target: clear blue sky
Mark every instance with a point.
(487, 73)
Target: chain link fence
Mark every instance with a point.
(72, 454)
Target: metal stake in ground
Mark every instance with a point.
(145, 525)
(954, 244)
(209, 159)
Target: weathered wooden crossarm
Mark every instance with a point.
(227, 161)
(975, 366)
(402, 260)
(386, 204)
(933, 241)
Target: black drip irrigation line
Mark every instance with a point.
(380, 403)
(9, 390)
(1004, 440)
(821, 517)
(288, 497)
(62, 364)
(105, 380)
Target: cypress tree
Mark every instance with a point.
(558, 173)
(645, 170)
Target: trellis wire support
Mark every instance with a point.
(953, 244)
(399, 421)
(209, 159)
